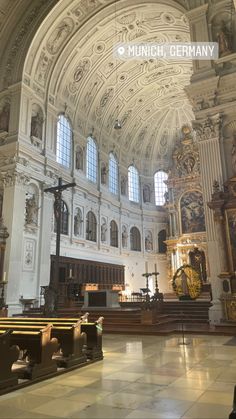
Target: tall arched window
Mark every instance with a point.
(113, 174)
(64, 141)
(91, 160)
(160, 187)
(113, 234)
(64, 219)
(135, 239)
(133, 184)
(91, 227)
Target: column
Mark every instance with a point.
(208, 133)
(14, 218)
(221, 239)
(45, 239)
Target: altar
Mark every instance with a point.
(101, 299)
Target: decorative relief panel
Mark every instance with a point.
(59, 35)
(43, 68)
(29, 254)
(79, 72)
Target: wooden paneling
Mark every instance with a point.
(105, 275)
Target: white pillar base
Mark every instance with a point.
(215, 312)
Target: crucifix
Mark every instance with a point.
(51, 293)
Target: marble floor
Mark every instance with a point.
(140, 377)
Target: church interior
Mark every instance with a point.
(117, 210)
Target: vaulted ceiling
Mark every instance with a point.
(71, 61)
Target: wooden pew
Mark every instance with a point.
(72, 343)
(39, 345)
(71, 340)
(93, 332)
(94, 339)
(8, 355)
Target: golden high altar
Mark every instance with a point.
(186, 243)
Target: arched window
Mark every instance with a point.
(113, 234)
(133, 184)
(160, 187)
(135, 239)
(64, 141)
(91, 227)
(113, 174)
(161, 241)
(64, 219)
(91, 160)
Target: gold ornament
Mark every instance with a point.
(187, 282)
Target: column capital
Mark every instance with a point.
(209, 128)
(13, 177)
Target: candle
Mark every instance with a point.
(146, 267)
(155, 267)
(4, 277)
(70, 274)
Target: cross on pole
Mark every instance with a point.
(51, 293)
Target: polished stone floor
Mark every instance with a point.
(140, 377)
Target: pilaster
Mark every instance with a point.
(208, 135)
(14, 215)
(44, 240)
(199, 33)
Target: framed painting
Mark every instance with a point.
(231, 236)
(192, 212)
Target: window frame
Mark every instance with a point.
(91, 227)
(114, 234)
(92, 160)
(133, 184)
(113, 174)
(160, 187)
(64, 141)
